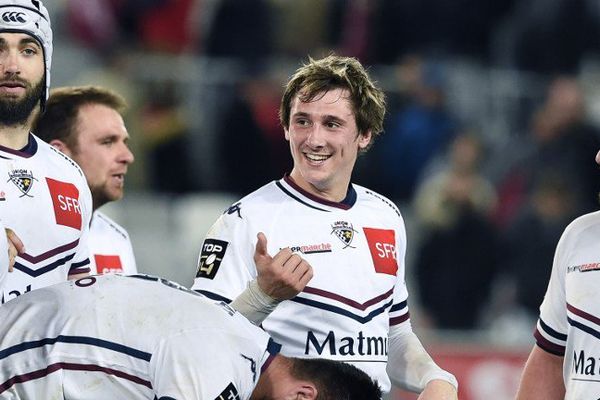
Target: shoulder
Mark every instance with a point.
(260, 200)
(587, 225)
(59, 159)
(102, 222)
(372, 199)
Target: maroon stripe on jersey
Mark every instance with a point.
(400, 319)
(547, 345)
(72, 367)
(288, 179)
(49, 253)
(583, 314)
(347, 301)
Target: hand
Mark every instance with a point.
(281, 277)
(438, 389)
(15, 246)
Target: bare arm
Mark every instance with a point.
(438, 390)
(542, 377)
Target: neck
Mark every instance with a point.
(277, 370)
(335, 192)
(14, 137)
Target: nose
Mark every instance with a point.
(316, 137)
(10, 62)
(126, 156)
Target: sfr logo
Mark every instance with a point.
(65, 198)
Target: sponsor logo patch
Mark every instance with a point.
(584, 267)
(312, 248)
(382, 245)
(23, 180)
(106, 264)
(344, 231)
(230, 393)
(65, 198)
(213, 251)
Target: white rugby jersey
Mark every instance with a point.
(45, 199)
(74, 341)
(356, 249)
(3, 257)
(110, 247)
(569, 323)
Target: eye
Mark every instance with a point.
(29, 51)
(302, 121)
(332, 124)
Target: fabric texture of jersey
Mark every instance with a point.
(3, 257)
(74, 341)
(45, 200)
(356, 249)
(110, 247)
(569, 323)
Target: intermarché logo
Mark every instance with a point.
(13, 16)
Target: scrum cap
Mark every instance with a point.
(30, 17)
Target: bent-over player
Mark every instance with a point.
(75, 341)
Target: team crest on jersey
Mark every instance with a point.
(344, 231)
(213, 251)
(230, 393)
(22, 179)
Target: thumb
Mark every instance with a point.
(261, 245)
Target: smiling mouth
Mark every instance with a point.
(317, 157)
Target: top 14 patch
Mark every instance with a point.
(213, 251)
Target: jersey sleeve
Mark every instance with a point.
(129, 265)
(80, 264)
(551, 329)
(225, 263)
(399, 311)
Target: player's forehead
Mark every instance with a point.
(17, 39)
(335, 101)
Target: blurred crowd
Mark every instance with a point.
(489, 206)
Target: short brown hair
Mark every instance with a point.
(59, 120)
(332, 72)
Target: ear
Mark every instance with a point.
(305, 391)
(60, 145)
(287, 134)
(364, 139)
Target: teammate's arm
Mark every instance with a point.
(542, 377)
(411, 367)
(278, 278)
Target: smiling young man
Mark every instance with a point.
(44, 197)
(355, 307)
(86, 124)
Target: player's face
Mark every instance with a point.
(102, 151)
(324, 142)
(21, 77)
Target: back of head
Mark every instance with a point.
(317, 77)
(30, 17)
(59, 121)
(335, 380)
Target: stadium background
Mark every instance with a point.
(203, 79)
